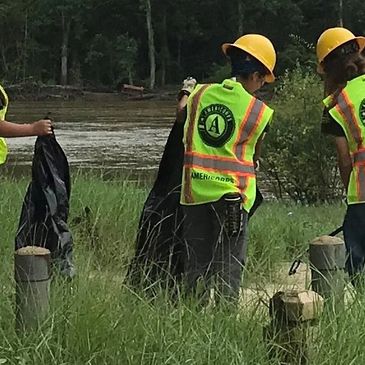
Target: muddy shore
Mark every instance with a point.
(40, 92)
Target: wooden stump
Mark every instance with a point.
(32, 276)
(327, 256)
(292, 313)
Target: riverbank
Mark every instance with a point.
(97, 320)
(36, 91)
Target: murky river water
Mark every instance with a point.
(119, 136)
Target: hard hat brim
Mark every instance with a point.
(268, 78)
(360, 41)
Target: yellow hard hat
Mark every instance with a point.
(332, 38)
(259, 47)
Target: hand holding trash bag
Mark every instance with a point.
(8, 129)
(44, 215)
(42, 127)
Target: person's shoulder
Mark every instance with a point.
(262, 104)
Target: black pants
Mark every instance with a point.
(354, 234)
(213, 255)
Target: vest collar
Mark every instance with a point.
(329, 100)
(356, 80)
(233, 83)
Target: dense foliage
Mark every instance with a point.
(95, 43)
(299, 160)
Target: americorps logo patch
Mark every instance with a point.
(216, 125)
(362, 111)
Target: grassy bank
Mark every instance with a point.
(97, 320)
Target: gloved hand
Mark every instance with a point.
(187, 88)
(189, 84)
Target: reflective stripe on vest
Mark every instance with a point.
(360, 183)
(359, 157)
(218, 164)
(229, 166)
(189, 141)
(248, 125)
(3, 110)
(346, 109)
(192, 117)
(359, 164)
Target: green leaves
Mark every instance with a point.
(187, 36)
(298, 160)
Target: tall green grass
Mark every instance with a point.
(96, 319)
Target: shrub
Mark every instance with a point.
(299, 161)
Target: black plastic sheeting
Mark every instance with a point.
(159, 244)
(43, 219)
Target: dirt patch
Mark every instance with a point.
(260, 293)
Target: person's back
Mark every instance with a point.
(343, 67)
(223, 132)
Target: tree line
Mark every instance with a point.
(95, 43)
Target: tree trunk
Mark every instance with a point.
(5, 63)
(240, 17)
(66, 26)
(75, 70)
(130, 77)
(179, 46)
(164, 47)
(151, 43)
(340, 13)
(25, 46)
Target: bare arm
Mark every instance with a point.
(344, 159)
(183, 96)
(257, 154)
(39, 128)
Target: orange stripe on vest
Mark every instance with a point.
(220, 158)
(189, 140)
(345, 108)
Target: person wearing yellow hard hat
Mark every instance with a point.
(8, 129)
(224, 125)
(332, 43)
(343, 68)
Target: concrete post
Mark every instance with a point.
(32, 276)
(327, 256)
(292, 313)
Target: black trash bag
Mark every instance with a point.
(43, 219)
(159, 245)
(258, 201)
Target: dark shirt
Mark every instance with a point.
(2, 100)
(330, 127)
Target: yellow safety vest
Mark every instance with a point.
(348, 110)
(3, 110)
(224, 123)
